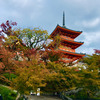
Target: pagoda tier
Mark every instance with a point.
(70, 43)
(70, 56)
(65, 32)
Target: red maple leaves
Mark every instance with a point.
(6, 27)
(97, 51)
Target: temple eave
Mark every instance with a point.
(73, 42)
(72, 53)
(71, 45)
(69, 30)
(66, 31)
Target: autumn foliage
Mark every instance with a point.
(36, 65)
(7, 27)
(97, 51)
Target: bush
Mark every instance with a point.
(84, 95)
(7, 78)
(81, 95)
(7, 94)
(11, 76)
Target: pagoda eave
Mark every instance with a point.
(71, 45)
(72, 42)
(65, 31)
(72, 53)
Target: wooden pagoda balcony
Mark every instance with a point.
(66, 48)
(68, 60)
(65, 37)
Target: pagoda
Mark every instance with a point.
(68, 44)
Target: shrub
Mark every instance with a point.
(11, 76)
(7, 94)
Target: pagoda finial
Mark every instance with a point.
(63, 18)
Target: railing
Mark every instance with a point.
(68, 38)
(67, 49)
(65, 37)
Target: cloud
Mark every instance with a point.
(91, 41)
(21, 3)
(91, 37)
(87, 50)
(24, 12)
(24, 4)
(92, 23)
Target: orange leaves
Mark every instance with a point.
(7, 64)
(51, 55)
(1, 67)
(30, 52)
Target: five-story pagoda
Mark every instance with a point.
(68, 44)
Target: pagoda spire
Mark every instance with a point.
(63, 19)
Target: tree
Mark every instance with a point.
(90, 77)
(59, 79)
(93, 61)
(7, 27)
(97, 51)
(25, 41)
(12, 36)
(7, 64)
(89, 80)
(55, 42)
(34, 38)
(51, 55)
(31, 76)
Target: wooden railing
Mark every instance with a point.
(65, 37)
(67, 49)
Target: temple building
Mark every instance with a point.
(68, 44)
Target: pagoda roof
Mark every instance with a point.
(72, 53)
(65, 31)
(75, 44)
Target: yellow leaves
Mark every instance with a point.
(32, 75)
(18, 43)
(29, 84)
(53, 76)
(41, 31)
(56, 42)
(12, 38)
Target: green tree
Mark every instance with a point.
(60, 78)
(90, 77)
(34, 38)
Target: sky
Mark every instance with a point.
(80, 15)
